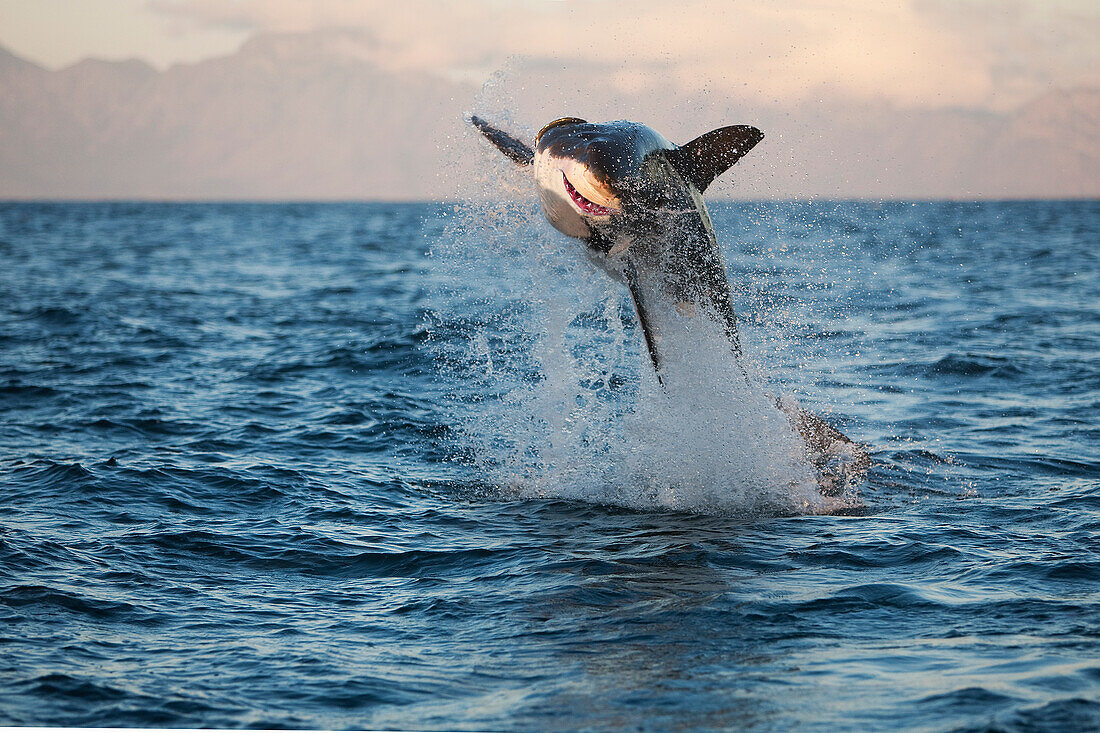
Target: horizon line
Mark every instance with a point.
(7, 200)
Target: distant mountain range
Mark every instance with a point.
(302, 117)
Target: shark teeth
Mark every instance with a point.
(584, 204)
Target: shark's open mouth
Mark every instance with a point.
(584, 204)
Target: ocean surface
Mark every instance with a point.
(405, 466)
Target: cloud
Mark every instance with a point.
(912, 53)
(1027, 47)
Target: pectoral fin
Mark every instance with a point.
(709, 156)
(514, 148)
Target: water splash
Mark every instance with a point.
(554, 396)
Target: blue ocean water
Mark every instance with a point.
(363, 466)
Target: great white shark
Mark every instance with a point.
(636, 201)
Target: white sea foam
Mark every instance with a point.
(555, 397)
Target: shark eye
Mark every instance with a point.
(557, 123)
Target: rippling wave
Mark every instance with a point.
(400, 466)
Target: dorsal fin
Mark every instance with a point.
(514, 148)
(709, 156)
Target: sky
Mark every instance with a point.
(979, 54)
(865, 98)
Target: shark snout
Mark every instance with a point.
(588, 175)
(589, 190)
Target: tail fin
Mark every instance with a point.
(833, 454)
